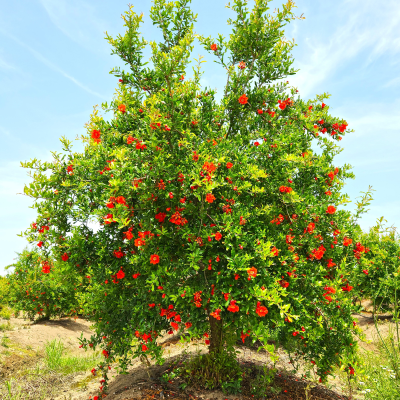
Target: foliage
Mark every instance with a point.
(215, 369)
(221, 218)
(43, 288)
(377, 379)
(6, 312)
(4, 291)
(375, 276)
(262, 385)
(57, 360)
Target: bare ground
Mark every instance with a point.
(24, 345)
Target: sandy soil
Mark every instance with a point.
(28, 341)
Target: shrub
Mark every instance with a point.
(43, 288)
(215, 217)
(4, 291)
(375, 276)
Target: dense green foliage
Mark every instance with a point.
(42, 288)
(376, 275)
(213, 216)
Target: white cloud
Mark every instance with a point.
(77, 20)
(5, 65)
(4, 131)
(360, 26)
(392, 83)
(52, 66)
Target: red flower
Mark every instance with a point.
(46, 267)
(218, 236)
(110, 205)
(214, 47)
(330, 263)
(260, 111)
(207, 341)
(256, 144)
(331, 210)
(243, 99)
(154, 259)
(188, 325)
(347, 241)
(175, 325)
(122, 108)
(351, 370)
(120, 274)
(242, 65)
(118, 253)
(289, 239)
(252, 272)
(96, 135)
(139, 242)
(275, 251)
(365, 271)
(233, 307)
(210, 197)
(144, 347)
(105, 353)
(216, 313)
(65, 257)
(209, 167)
(283, 283)
(262, 311)
(244, 336)
(328, 193)
(229, 165)
(128, 234)
(160, 217)
(40, 244)
(347, 288)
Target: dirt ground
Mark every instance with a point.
(25, 342)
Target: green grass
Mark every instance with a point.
(378, 379)
(57, 360)
(6, 312)
(53, 372)
(5, 326)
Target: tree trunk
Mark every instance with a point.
(217, 338)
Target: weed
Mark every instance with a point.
(56, 360)
(6, 312)
(263, 383)
(14, 391)
(5, 326)
(212, 371)
(54, 351)
(5, 341)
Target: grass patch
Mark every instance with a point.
(5, 326)
(6, 313)
(52, 374)
(57, 360)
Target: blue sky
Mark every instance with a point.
(55, 63)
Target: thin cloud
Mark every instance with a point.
(393, 82)
(5, 65)
(363, 28)
(77, 20)
(4, 131)
(52, 66)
